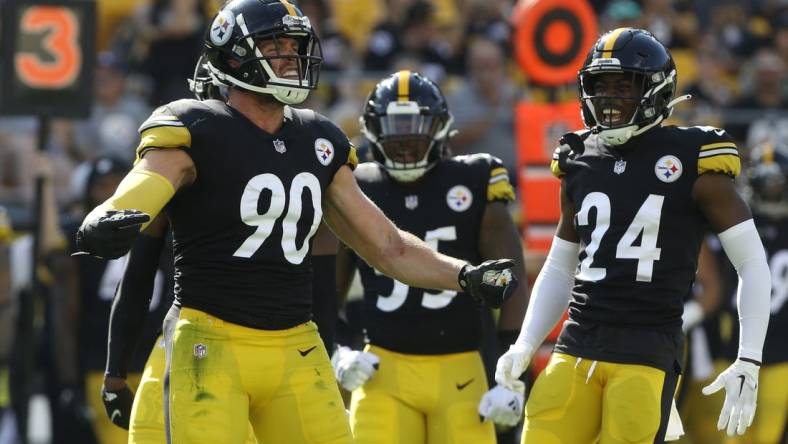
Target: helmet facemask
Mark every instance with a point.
(248, 67)
(617, 118)
(407, 139)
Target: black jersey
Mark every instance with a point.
(774, 233)
(640, 233)
(242, 231)
(98, 280)
(445, 209)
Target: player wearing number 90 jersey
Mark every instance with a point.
(636, 197)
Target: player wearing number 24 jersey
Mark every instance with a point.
(245, 184)
(635, 199)
(430, 386)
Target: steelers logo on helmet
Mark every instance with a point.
(408, 123)
(222, 28)
(459, 198)
(668, 168)
(264, 46)
(626, 85)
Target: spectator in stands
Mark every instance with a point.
(172, 31)
(111, 129)
(766, 101)
(487, 19)
(415, 35)
(482, 106)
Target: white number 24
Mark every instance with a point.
(646, 221)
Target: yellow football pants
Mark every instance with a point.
(421, 399)
(223, 376)
(582, 401)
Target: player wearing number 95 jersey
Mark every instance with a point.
(430, 386)
(245, 184)
(636, 197)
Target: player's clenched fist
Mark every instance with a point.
(491, 282)
(109, 234)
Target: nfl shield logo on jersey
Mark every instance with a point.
(620, 166)
(279, 146)
(668, 169)
(324, 151)
(411, 202)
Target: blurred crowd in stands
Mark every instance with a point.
(732, 56)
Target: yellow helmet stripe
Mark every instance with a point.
(610, 43)
(403, 86)
(290, 8)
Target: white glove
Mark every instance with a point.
(353, 368)
(512, 364)
(740, 381)
(502, 406)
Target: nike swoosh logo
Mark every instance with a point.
(307, 351)
(115, 413)
(109, 397)
(741, 383)
(462, 386)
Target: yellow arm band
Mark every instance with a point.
(141, 190)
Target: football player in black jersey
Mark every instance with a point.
(636, 197)
(145, 419)
(245, 184)
(420, 379)
(767, 176)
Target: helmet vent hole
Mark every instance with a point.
(642, 54)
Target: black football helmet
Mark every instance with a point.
(767, 179)
(204, 85)
(407, 120)
(233, 57)
(638, 53)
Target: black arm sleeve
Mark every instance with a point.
(130, 306)
(324, 298)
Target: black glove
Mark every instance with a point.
(118, 405)
(109, 235)
(491, 282)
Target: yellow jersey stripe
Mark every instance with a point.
(722, 163)
(352, 158)
(290, 8)
(610, 43)
(556, 169)
(403, 86)
(711, 146)
(497, 171)
(501, 190)
(163, 137)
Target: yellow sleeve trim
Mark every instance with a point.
(721, 163)
(712, 146)
(163, 137)
(500, 190)
(497, 172)
(352, 158)
(142, 190)
(556, 169)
